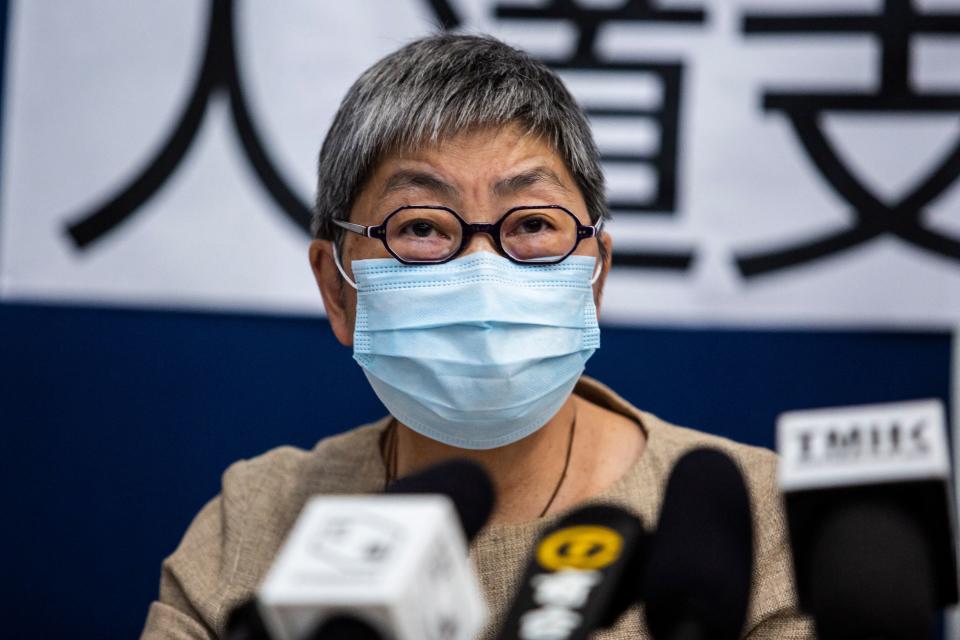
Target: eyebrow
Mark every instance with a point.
(410, 179)
(521, 181)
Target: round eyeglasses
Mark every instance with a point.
(432, 234)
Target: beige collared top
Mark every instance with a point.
(232, 541)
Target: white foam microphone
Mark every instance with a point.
(396, 563)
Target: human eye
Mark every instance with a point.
(420, 229)
(537, 233)
(534, 223)
(422, 233)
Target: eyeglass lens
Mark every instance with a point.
(529, 235)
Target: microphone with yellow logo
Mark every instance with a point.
(573, 585)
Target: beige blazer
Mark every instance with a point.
(232, 541)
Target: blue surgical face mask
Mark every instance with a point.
(478, 352)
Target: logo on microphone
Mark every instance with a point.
(357, 545)
(581, 547)
(560, 596)
(879, 439)
(858, 445)
(574, 558)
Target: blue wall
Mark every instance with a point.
(118, 423)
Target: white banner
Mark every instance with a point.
(770, 162)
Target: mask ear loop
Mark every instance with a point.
(596, 231)
(336, 261)
(596, 274)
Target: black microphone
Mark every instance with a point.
(575, 582)
(697, 580)
(465, 482)
(245, 623)
(870, 513)
(345, 627)
(871, 574)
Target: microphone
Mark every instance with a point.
(396, 564)
(870, 515)
(465, 482)
(245, 623)
(697, 579)
(574, 584)
(343, 627)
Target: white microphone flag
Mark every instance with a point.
(862, 445)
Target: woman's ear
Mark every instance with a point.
(607, 254)
(339, 299)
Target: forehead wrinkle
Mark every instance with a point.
(525, 179)
(421, 180)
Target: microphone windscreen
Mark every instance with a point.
(701, 557)
(344, 627)
(465, 482)
(245, 623)
(872, 575)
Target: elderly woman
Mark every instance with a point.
(460, 192)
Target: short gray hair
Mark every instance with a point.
(430, 90)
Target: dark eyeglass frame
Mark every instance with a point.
(379, 231)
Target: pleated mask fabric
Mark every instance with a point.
(478, 352)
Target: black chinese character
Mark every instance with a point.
(665, 114)
(873, 218)
(218, 72)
